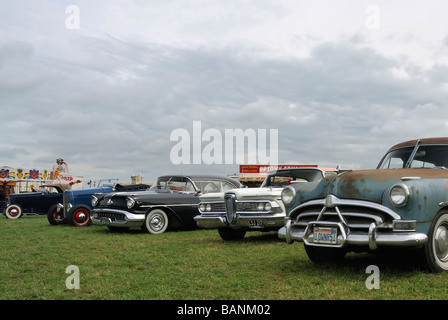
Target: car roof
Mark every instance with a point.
(201, 176)
(303, 169)
(410, 143)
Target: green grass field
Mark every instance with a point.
(189, 265)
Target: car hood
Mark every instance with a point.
(137, 195)
(256, 193)
(245, 194)
(368, 185)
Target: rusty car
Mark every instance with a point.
(403, 203)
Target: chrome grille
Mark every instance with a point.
(218, 207)
(352, 219)
(229, 200)
(247, 206)
(112, 216)
(66, 202)
(353, 213)
(233, 205)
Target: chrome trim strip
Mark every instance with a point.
(170, 205)
(377, 219)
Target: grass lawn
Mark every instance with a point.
(189, 265)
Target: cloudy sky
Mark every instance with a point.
(103, 84)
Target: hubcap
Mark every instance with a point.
(81, 217)
(157, 222)
(57, 215)
(13, 212)
(441, 242)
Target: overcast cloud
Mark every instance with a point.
(341, 81)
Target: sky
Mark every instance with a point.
(105, 84)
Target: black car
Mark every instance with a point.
(171, 202)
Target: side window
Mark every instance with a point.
(189, 187)
(227, 186)
(211, 186)
(421, 164)
(395, 163)
(175, 184)
(207, 186)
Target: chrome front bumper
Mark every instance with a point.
(104, 217)
(374, 238)
(210, 222)
(246, 221)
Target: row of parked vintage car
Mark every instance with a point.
(403, 203)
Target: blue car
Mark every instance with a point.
(34, 203)
(75, 206)
(401, 204)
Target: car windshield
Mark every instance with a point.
(47, 189)
(430, 156)
(184, 184)
(280, 179)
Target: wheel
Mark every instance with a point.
(13, 211)
(156, 221)
(324, 254)
(436, 249)
(54, 217)
(79, 216)
(230, 234)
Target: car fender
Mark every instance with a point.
(173, 217)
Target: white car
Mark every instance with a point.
(237, 211)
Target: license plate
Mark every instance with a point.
(255, 223)
(325, 235)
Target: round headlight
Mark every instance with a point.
(288, 195)
(267, 206)
(208, 207)
(399, 195)
(202, 207)
(260, 206)
(94, 200)
(130, 202)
